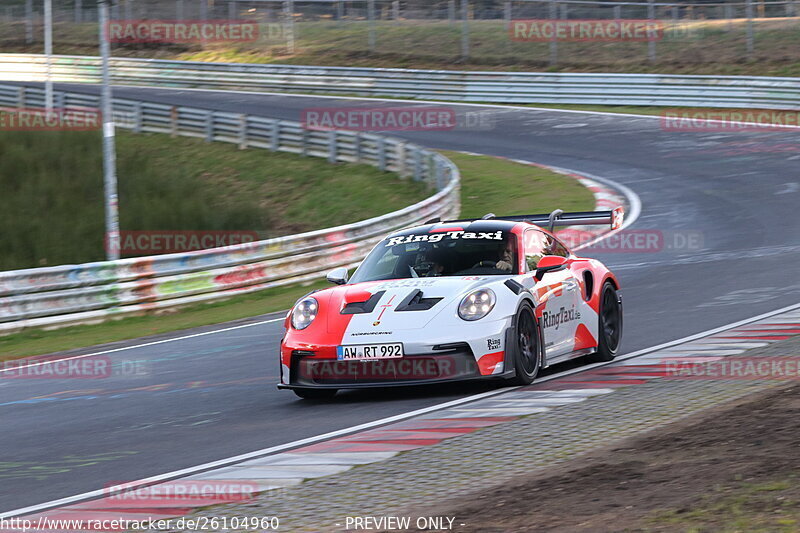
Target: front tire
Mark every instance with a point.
(527, 356)
(609, 329)
(316, 394)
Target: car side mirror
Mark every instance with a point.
(338, 276)
(550, 263)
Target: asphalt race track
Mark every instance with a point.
(199, 399)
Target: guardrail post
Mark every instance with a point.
(553, 41)
(451, 11)
(358, 148)
(28, 21)
(333, 152)
(371, 23)
(242, 132)
(60, 97)
(617, 12)
(203, 9)
(303, 141)
(396, 10)
(431, 174)
(402, 167)
(209, 126)
(749, 13)
(465, 29)
(78, 11)
(288, 24)
(507, 14)
(651, 42)
(340, 12)
(275, 136)
(128, 9)
(438, 174)
(563, 11)
(173, 121)
(382, 154)
(417, 164)
(21, 97)
(179, 10)
(137, 117)
(232, 10)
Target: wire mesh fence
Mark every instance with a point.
(507, 33)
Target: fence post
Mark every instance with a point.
(371, 23)
(333, 152)
(507, 14)
(749, 14)
(78, 11)
(465, 29)
(173, 121)
(288, 14)
(382, 154)
(137, 117)
(358, 148)
(553, 41)
(21, 98)
(29, 21)
(651, 42)
(242, 132)
(209, 126)
(451, 11)
(275, 136)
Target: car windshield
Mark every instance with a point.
(450, 253)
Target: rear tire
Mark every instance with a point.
(316, 394)
(609, 329)
(528, 354)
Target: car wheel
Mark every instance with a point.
(316, 394)
(527, 357)
(610, 326)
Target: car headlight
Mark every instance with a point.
(304, 313)
(476, 304)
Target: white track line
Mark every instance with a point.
(368, 425)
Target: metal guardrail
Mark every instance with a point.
(496, 87)
(77, 293)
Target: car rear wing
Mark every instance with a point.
(559, 218)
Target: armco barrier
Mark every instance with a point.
(70, 294)
(498, 87)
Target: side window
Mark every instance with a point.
(539, 244)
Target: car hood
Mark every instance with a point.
(424, 299)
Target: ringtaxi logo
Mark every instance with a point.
(22, 119)
(136, 243)
(172, 31)
(729, 120)
(599, 30)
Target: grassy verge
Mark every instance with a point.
(699, 46)
(171, 184)
(488, 184)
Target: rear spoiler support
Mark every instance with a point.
(559, 218)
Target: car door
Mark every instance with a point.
(558, 293)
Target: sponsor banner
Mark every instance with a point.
(73, 119)
(601, 30)
(740, 368)
(181, 31)
(416, 118)
(634, 241)
(135, 243)
(409, 368)
(716, 120)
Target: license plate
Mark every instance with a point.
(369, 351)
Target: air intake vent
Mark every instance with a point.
(415, 302)
(355, 308)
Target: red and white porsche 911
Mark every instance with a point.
(494, 298)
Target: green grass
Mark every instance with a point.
(51, 208)
(692, 47)
(488, 184)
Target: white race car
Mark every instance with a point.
(494, 298)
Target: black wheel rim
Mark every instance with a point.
(611, 319)
(528, 342)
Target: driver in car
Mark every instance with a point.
(506, 261)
